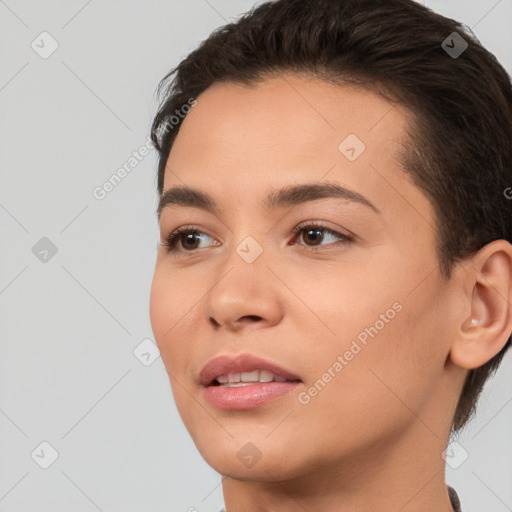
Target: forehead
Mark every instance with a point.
(283, 119)
(240, 142)
(309, 97)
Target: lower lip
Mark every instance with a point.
(247, 397)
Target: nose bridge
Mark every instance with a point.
(241, 288)
(249, 240)
(243, 270)
(250, 249)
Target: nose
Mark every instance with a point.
(246, 296)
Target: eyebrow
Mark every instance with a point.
(285, 197)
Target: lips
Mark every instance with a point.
(224, 365)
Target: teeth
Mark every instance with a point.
(266, 376)
(250, 376)
(245, 378)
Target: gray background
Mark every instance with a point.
(69, 325)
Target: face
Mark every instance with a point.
(351, 303)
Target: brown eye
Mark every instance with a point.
(313, 235)
(189, 240)
(186, 237)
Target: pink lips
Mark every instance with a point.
(243, 397)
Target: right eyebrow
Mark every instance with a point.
(297, 194)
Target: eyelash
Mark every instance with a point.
(171, 240)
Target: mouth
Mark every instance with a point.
(256, 380)
(233, 380)
(243, 370)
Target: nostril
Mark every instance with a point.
(214, 322)
(250, 317)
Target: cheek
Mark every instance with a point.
(167, 311)
(172, 300)
(159, 303)
(392, 353)
(165, 308)
(402, 365)
(373, 395)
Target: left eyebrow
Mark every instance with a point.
(285, 197)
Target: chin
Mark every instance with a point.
(269, 470)
(250, 458)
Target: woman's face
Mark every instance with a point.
(352, 305)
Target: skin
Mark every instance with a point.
(372, 438)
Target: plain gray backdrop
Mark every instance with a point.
(78, 368)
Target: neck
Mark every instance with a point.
(404, 474)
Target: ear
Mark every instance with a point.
(488, 290)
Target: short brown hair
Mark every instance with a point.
(460, 148)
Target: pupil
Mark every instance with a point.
(190, 238)
(318, 236)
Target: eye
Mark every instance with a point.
(189, 236)
(316, 233)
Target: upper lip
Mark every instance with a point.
(225, 364)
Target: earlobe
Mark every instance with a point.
(485, 330)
